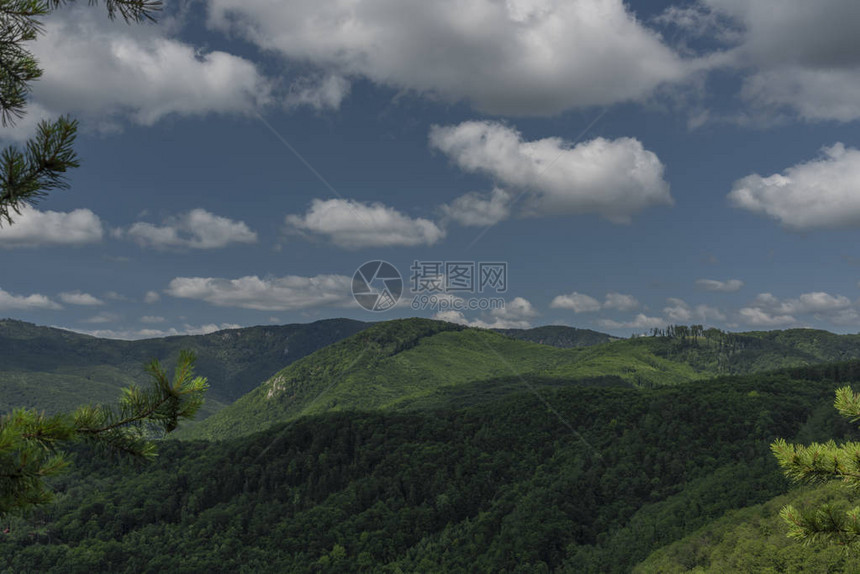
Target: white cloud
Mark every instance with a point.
(103, 71)
(641, 321)
(728, 286)
(78, 298)
(152, 319)
(197, 229)
(581, 303)
(452, 316)
(517, 309)
(354, 225)
(479, 209)
(270, 294)
(613, 178)
(320, 93)
(103, 317)
(26, 302)
(620, 302)
(136, 334)
(576, 302)
(522, 57)
(802, 56)
(151, 297)
(34, 228)
(822, 193)
(757, 317)
(768, 310)
(679, 311)
(514, 315)
(816, 302)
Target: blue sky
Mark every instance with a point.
(635, 164)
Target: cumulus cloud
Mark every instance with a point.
(320, 93)
(581, 303)
(354, 225)
(757, 317)
(613, 178)
(152, 319)
(197, 229)
(516, 57)
(78, 298)
(104, 71)
(640, 321)
(151, 297)
(103, 317)
(34, 228)
(269, 294)
(576, 302)
(514, 315)
(676, 311)
(620, 302)
(801, 57)
(136, 334)
(767, 310)
(728, 286)
(26, 302)
(816, 302)
(517, 309)
(822, 193)
(679, 311)
(479, 209)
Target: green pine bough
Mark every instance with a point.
(31, 443)
(819, 463)
(27, 173)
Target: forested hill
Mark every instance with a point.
(52, 369)
(592, 486)
(402, 364)
(559, 336)
(418, 363)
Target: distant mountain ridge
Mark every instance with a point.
(559, 336)
(54, 369)
(412, 364)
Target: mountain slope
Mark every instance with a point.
(559, 336)
(754, 539)
(594, 486)
(400, 364)
(52, 369)
(419, 363)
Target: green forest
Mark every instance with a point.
(552, 470)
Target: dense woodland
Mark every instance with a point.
(595, 484)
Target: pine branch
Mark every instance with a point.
(129, 10)
(161, 408)
(818, 463)
(25, 177)
(30, 442)
(19, 23)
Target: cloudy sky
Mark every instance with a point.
(635, 164)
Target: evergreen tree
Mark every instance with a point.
(819, 463)
(31, 443)
(40, 166)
